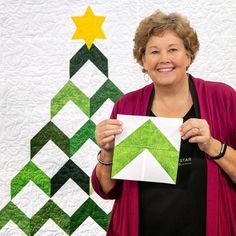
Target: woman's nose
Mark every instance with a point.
(164, 57)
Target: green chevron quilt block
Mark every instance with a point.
(147, 149)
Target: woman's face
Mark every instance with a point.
(166, 59)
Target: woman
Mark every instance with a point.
(203, 201)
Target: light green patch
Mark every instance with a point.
(12, 212)
(67, 93)
(33, 173)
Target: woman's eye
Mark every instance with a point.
(155, 52)
(173, 49)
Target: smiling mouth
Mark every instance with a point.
(169, 69)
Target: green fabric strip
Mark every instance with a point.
(86, 132)
(89, 208)
(88, 106)
(67, 93)
(107, 90)
(12, 212)
(83, 55)
(50, 132)
(33, 173)
(70, 171)
(50, 210)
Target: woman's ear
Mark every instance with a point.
(189, 59)
(144, 70)
(144, 61)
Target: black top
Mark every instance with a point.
(176, 210)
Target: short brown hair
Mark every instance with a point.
(159, 22)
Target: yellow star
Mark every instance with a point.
(89, 27)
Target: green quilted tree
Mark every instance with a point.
(51, 182)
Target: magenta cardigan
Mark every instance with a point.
(217, 102)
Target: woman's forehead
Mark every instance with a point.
(168, 37)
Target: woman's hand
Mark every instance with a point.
(105, 136)
(105, 133)
(198, 131)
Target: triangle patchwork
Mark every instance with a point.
(144, 166)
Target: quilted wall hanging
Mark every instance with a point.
(55, 180)
(63, 64)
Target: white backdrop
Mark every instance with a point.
(35, 49)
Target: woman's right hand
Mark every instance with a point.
(105, 137)
(105, 133)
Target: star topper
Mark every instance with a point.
(89, 27)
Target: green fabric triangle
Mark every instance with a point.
(149, 137)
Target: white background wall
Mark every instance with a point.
(36, 46)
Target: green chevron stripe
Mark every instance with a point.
(149, 137)
(50, 210)
(107, 90)
(86, 132)
(83, 55)
(33, 173)
(70, 171)
(69, 92)
(12, 212)
(88, 106)
(50, 132)
(68, 146)
(89, 208)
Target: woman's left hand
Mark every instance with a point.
(197, 131)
